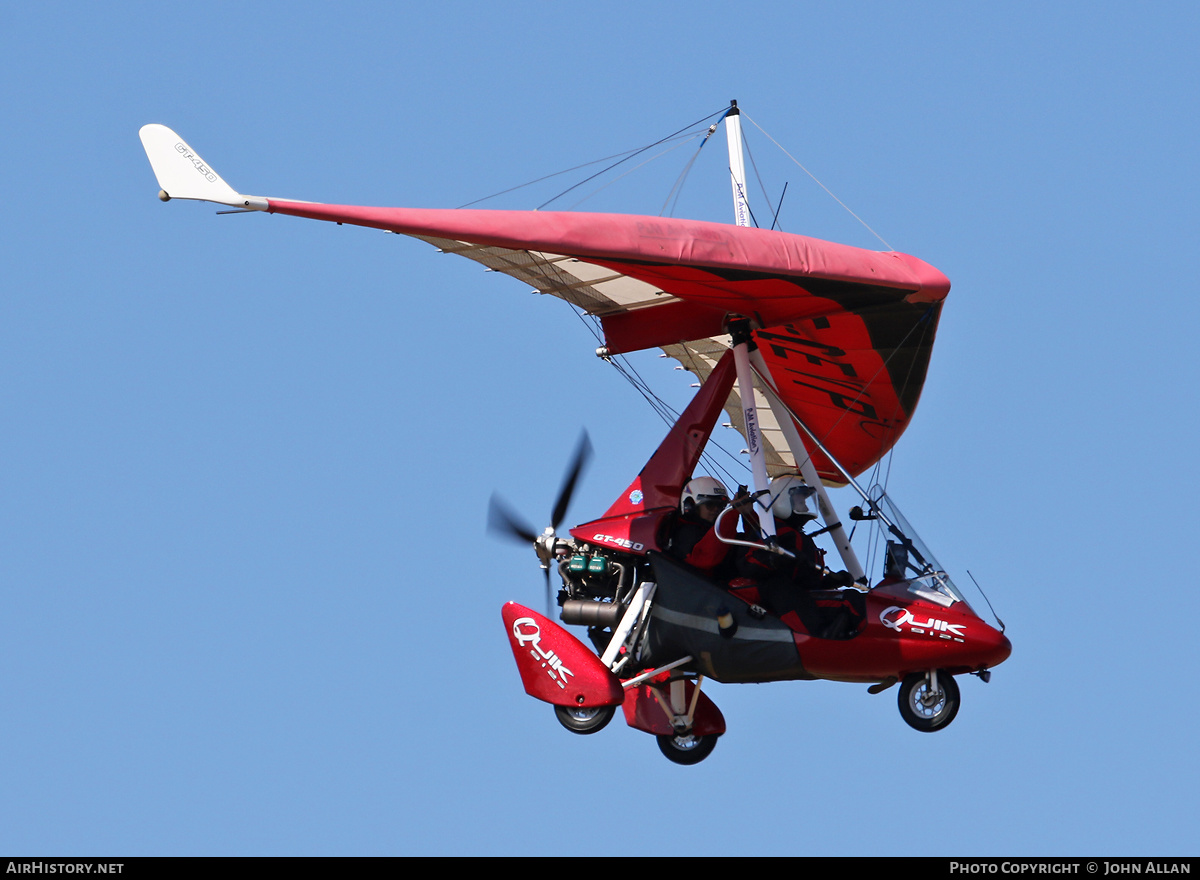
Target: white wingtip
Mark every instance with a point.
(182, 174)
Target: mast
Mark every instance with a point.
(743, 338)
(748, 360)
(737, 165)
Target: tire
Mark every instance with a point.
(927, 712)
(687, 749)
(584, 720)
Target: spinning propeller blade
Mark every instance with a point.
(503, 521)
(583, 453)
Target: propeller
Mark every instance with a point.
(502, 520)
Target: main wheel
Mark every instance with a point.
(579, 719)
(687, 749)
(924, 709)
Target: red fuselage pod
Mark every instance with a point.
(905, 633)
(555, 666)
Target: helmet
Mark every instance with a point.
(788, 497)
(700, 490)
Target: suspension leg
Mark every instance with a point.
(695, 699)
(679, 718)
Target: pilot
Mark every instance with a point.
(691, 538)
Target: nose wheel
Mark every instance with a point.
(687, 749)
(584, 720)
(928, 700)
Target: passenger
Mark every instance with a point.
(691, 538)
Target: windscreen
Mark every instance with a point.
(927, 576)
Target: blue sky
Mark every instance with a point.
(248, 605)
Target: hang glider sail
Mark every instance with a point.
(846, 332)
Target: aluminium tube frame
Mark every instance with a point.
(787, 422)
(876, 510)
(639, 605)
(758, 461)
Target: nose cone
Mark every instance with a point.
(992, 647)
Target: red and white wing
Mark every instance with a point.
(847, 333)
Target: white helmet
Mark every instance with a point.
(788, 497)
(700, 490)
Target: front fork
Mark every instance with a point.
(681, 720)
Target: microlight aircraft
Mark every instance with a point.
(816, 351)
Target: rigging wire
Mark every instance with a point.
(762, 186)
(623, 366)
(876, 533)
(873, 530)
(745, 201)
(919, 322)
(620, 362)
(691, 137)
(923, 321)
(818, 183)
(670, 415)
(626, 153)
(677, 189)
(665, 411)
(779, 207)
(723, 110)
